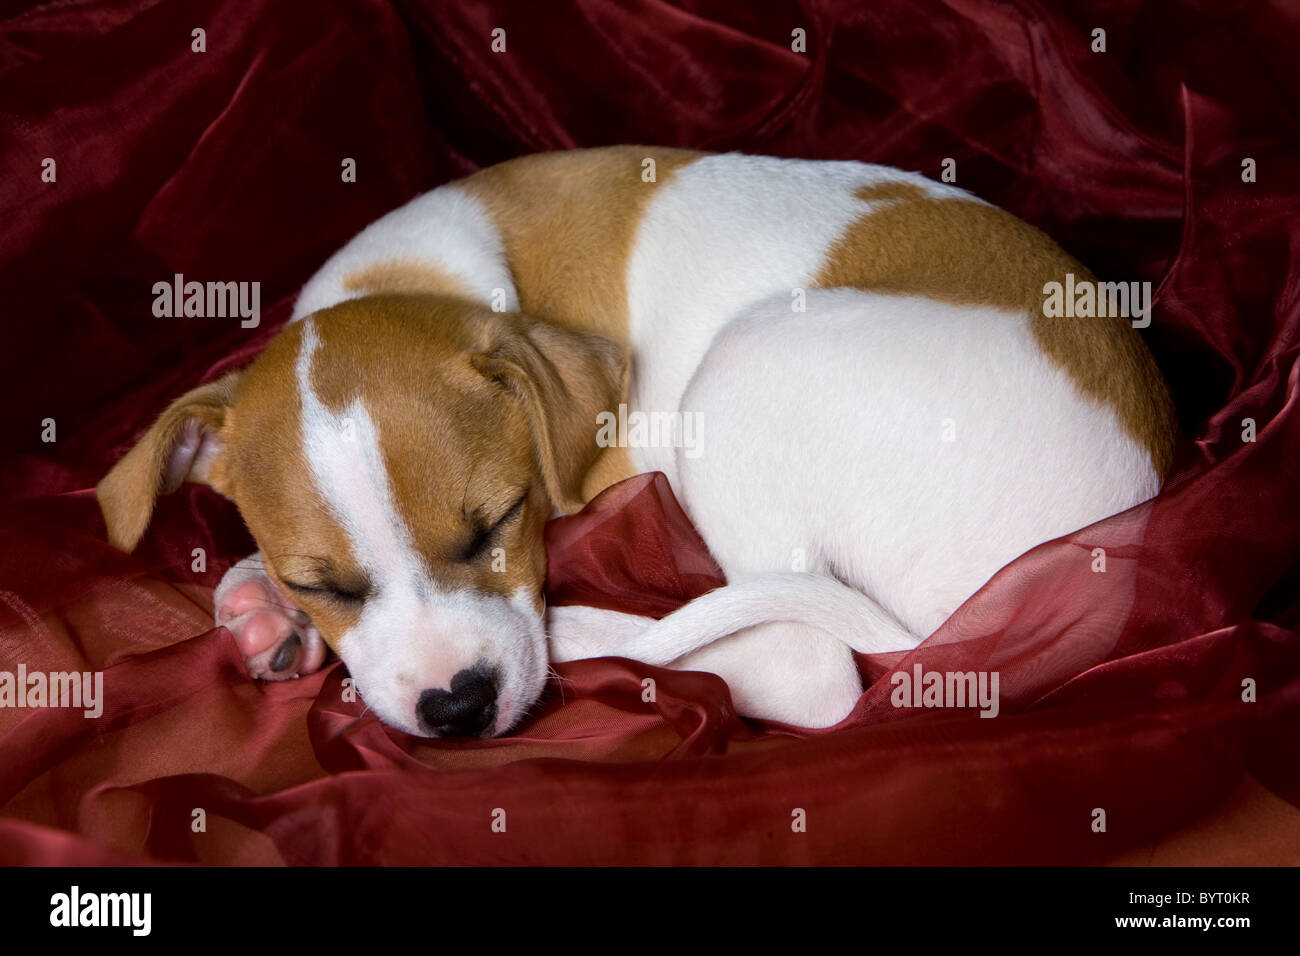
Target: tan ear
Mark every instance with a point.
(184, 444)
(564, 379)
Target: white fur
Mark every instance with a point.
(825, 487)
(839, 447)
(833, 459)
(447, 228)
(779, 640)
(725, 232)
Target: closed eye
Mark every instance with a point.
(330, 591)
(478, 545)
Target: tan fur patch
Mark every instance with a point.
(613, 465)
(265, 472)
(404, 276)
(969, 253)
(569, 221)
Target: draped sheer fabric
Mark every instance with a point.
(1121, 690)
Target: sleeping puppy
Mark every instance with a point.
(844, 370)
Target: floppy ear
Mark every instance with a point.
(184, 444)
(564, 379)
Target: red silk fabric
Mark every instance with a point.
(1120, 690)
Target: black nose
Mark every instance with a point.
(463, 711)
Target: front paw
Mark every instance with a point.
(277, 640)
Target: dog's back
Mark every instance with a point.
(659, 248)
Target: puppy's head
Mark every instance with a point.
(396, 458)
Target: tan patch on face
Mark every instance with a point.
(406, 276)
(265, 472)
(968, 253)
(568, 221)
(457, 453)
(460, 444)
(460, 450)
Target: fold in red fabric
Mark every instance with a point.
(1153, 690)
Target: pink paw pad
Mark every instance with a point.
(276, 639)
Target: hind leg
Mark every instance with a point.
(783, 671)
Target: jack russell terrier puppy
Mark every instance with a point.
(865, 351)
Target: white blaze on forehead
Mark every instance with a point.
(342, 450)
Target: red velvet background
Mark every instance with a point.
(1120, 690)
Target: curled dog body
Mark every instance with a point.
(866, 352)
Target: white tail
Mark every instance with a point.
(812, 599)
